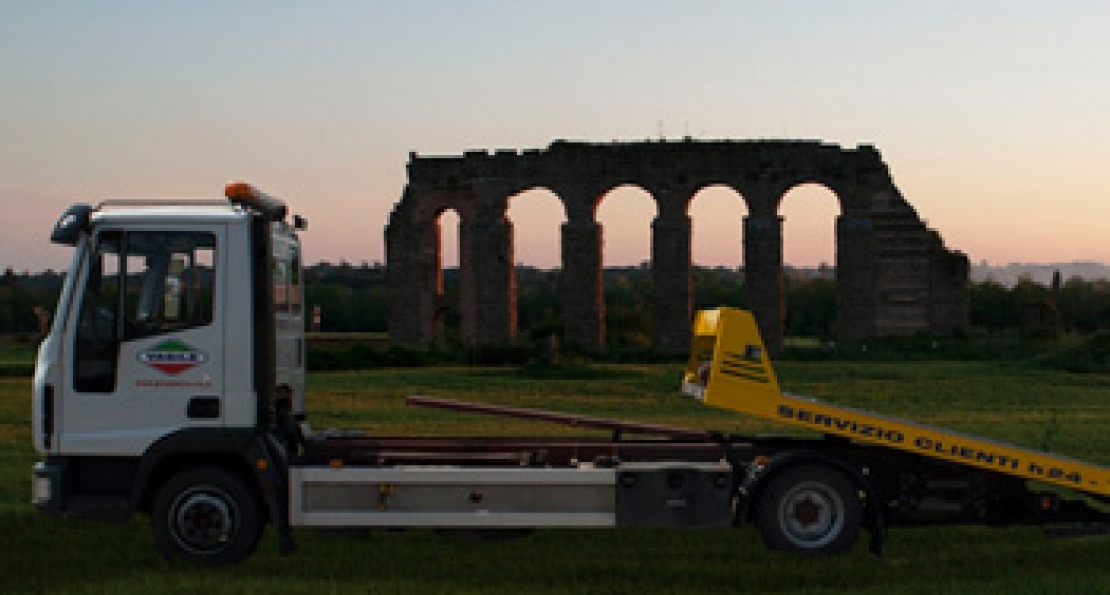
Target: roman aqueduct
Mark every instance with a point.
(894, 275)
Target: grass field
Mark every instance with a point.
(1006, 402)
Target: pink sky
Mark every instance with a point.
(993, 116)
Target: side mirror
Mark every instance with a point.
(70, 225)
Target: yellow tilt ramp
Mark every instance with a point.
(729, 368)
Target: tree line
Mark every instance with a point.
(353, 298)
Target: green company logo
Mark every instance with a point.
(172, 357)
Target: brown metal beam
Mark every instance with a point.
(580, 421)
(493, 451)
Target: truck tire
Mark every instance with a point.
(206, 515)
(809, 509)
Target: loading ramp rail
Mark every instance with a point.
(729, 368)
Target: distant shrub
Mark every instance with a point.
(503, 355)
(970, 346)
(1066, 352)
(17, 370)
(1092, 355)
(364, 356)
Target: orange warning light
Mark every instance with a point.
(239, 190)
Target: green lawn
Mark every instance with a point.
(16, 359)
(1005, 402)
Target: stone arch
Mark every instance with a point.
(513, 210)
(715, 232)
(809, 212)
(611, 199)
(447, 302)
(537, 188)
(809, 182)
(413, 253)
(718, 191)
(895, 275)
(626, 222)
(811, 187)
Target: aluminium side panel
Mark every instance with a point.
(452, 497)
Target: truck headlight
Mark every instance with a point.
(41, 490)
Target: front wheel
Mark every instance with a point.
(206, 515)
(809, 509)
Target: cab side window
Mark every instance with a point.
(295, 289)
(97, 335)
(140, 284)
(281, 286)
(170, 282)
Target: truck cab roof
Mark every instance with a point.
(240, 201)
(160, 211)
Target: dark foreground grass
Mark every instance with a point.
(54, 555)
(85, 557)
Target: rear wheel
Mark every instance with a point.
(206, 515)
(809, 509)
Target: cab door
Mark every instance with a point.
(144, 357)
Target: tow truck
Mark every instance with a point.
(172, 383)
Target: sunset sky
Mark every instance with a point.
(994, 116)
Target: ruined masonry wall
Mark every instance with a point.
(894, 274)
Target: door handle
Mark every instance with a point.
(203, 408)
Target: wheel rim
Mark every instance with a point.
(203, 519)
(811, 515)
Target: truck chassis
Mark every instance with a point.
(808, 495)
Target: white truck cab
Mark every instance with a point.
(168, 346)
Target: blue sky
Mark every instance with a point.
(993, 116)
